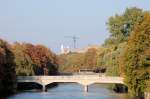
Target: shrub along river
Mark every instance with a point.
(71, 91)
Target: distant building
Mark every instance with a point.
(65, 50)
(83, 50)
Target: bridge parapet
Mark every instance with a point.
(68, 77)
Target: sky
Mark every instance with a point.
(48, 22)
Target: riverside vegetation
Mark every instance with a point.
(125, 53)
(24, 60)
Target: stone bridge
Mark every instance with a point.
(84, 80)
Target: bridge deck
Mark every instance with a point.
(85, 80)
(73, 78)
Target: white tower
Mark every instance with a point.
(62, 48)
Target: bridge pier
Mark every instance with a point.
(44, 88)
(86, 88)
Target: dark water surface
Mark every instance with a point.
(71, 91)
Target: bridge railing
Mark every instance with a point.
(68, 77)
(55, 77)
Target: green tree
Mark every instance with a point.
(120, 26)
(7, 69)
(101, 54)
(112, 62)
(109, 58)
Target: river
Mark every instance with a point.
(71, 91)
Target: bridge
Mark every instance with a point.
(84, 80)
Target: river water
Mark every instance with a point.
(71, 91)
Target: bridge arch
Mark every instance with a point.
(29, 85)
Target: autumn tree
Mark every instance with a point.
(71, 62)
(136, 58)
(43, 58)
(91, 58)
(24, 64)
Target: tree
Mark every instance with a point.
(112, 60)
(109, 58)
(34, 60)
(101, 54)
(91, 58)
(136, 58)
(43, 58)
(120, 26)
(24, 64)
(71, 62)
(7, 69)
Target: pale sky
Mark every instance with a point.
(49, 21)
